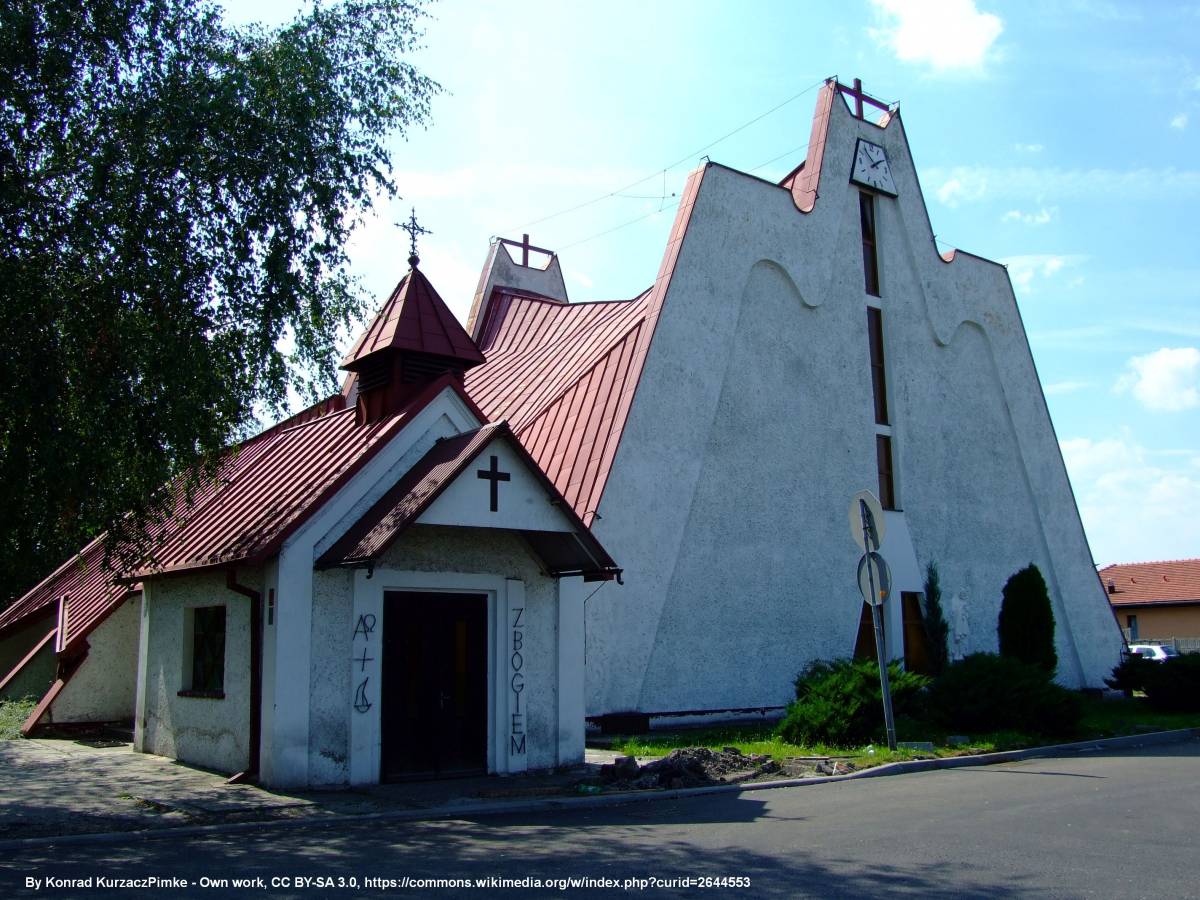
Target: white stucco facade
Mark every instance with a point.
(104, 687)
(753, 425)
(321, 712)
(208, 731)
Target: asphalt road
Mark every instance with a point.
(1121, 824)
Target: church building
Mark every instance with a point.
(625, 510)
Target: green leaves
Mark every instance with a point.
(175, 199)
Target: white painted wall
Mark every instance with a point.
(449, 556)
(346, 743)
(213, 733)
(286, 749)
(104, 687)
(753, 426)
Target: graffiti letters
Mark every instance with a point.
(516, 684)
(361, 703)
(365, 626)
(363, 629)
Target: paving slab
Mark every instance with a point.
(52, 787)
(80, 791)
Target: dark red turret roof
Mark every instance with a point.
(415, 319)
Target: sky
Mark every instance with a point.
(1061, 138)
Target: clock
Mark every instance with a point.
(871, 168)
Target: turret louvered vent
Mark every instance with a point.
(375, 373)
(423, 369)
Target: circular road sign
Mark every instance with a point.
(873, 567)
(865, 503)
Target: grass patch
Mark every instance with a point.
(1101, 718)
(1133, 715)
(13, 714)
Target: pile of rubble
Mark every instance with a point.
(688, 767)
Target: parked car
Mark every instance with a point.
(1156, 652)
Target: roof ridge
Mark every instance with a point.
(577, 305)
(1152, 562)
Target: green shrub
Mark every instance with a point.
(840, 703)
(984, 692)
(1130, 674)
(1174, 684)
(1026, 626)
(935, 621)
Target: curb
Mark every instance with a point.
(501, 807)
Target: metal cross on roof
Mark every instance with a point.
(859, 95)
(413, 230)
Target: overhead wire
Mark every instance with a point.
(665, 169)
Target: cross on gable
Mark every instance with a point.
(860, 97)
(495, 476)
(413, 230)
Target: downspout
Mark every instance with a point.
(256, 642)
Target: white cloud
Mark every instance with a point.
(1028, 148)
(1180, 121)
(964, 184)
(1064, 387)
(1024, 269)
(1041, 217)
(1167, 380)
(947, 35)
(1136, 503)
(579, 277)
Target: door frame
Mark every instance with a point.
(397, 603)
(505, 602)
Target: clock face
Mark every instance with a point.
(871, 168)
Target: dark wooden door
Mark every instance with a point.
(434, 700)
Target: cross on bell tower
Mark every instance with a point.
(859, 96)
(413, 230)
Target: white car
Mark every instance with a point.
(1156, 652)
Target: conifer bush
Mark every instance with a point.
(840, 703)
(1026, 626)
(1173, 685)
(984, 692)
(935, 622)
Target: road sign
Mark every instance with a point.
(866, 511)
(874, 578)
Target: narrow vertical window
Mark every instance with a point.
(208, 650)
(1131, 622)
(878, 382)
(866, 211)
(887, 488)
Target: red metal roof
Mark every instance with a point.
(262, 491)
(415, 319)
(803, 180)
(401, 506)
(1170, 581)
(91, 586)
(564, 374)
(261, 504)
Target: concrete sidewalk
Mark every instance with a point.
(53, 787)
(68, 790)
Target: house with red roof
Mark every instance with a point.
(1155, 601)
(387, 585)
(393, 582)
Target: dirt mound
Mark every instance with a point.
(688, 767)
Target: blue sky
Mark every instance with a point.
(1058, 137)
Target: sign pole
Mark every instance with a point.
(877, 621)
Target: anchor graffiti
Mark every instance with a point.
(361, 703)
